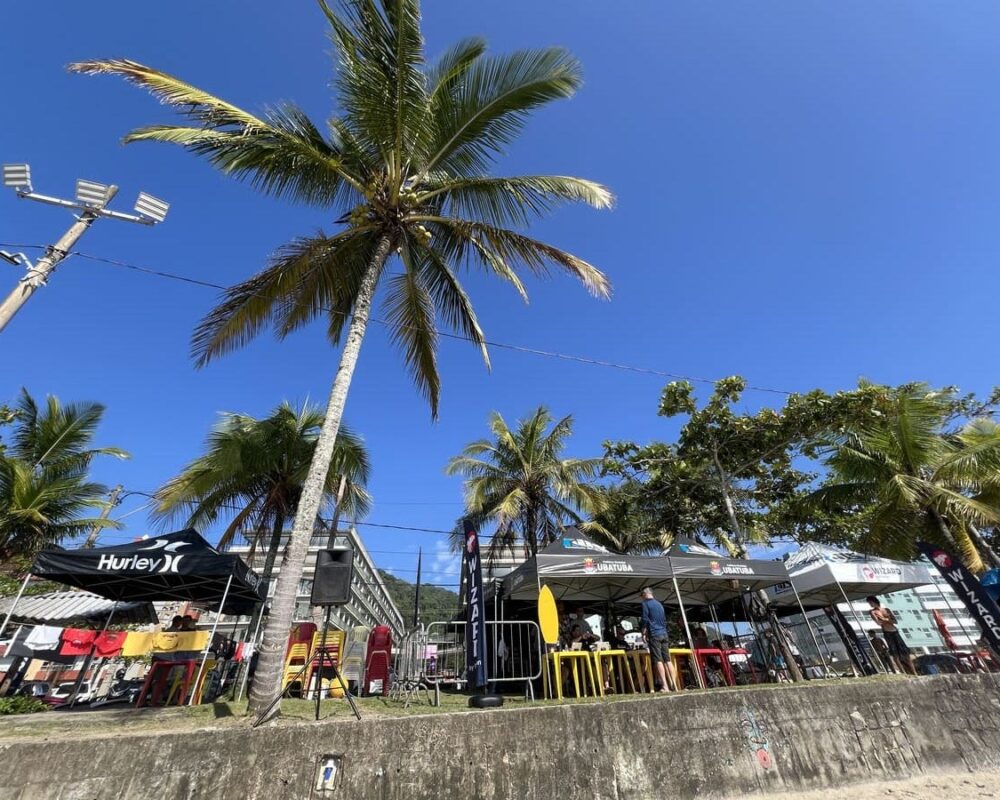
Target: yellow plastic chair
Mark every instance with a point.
(297, 658)
(334, 651)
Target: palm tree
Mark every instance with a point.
(405, 169)
(519, 482)
(911, 479)
(253, 472)
(625, 524)
(45, 487)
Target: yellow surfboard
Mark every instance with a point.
(548, 616)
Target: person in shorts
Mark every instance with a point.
(654, 631)
(899, 653)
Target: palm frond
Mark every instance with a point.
(282, 153)
(511, 249)
(504, 201)
(305, 278)
(485, 111)
(410, 314)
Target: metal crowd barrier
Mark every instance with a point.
(407, 668)
(513, 655)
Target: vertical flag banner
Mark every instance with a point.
(475, 610)
(983, 608)
(856, 650)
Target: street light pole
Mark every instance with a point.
(38, 273)
(91, 201)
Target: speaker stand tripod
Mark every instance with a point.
(324, 658)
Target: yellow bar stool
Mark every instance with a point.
(618, 669)
(678, 653)
(576, 659)
(643, 667)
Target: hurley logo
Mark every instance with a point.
(166, 560)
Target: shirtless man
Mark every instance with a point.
(886, 620)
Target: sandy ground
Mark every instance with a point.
(963, 786)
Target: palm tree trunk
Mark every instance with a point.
(984, 546)
(269, 559)
(968, 553)
(267, 682)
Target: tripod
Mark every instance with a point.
(325, 660)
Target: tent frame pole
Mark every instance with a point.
(809, 627)
(687, 631)
(245, 677)
(861, 628)
(208, 644)
(20, 593)
(90, 658)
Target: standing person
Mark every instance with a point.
(886, 620)
(654, 631)
(882, 650)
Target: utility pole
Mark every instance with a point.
(416, 595)
(96, 530)
(91, 201)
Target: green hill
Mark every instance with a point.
(436, 604)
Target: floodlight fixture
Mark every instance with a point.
(90, 204)
(150, 208)
(92, 194)
(17, 176)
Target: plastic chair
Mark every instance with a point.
(179, 680)
(677, 656)
(157, 676)
(618, 668)
(297, 658)
(325, 655)
(702, 654)
(642, 664)
(576, 658)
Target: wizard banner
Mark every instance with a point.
(982, 607)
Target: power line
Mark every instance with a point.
(499, 345)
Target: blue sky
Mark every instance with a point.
(807, 193)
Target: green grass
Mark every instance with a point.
(124, 721)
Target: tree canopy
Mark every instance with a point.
(519, 482)
(743, 478)
(46, 492)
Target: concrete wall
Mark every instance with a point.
(707, 745)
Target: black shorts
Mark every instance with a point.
(897, 647)
(658, 647)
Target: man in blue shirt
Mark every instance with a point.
(654, 631)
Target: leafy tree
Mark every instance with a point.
(405, 169)
(907, 477)
(723, 474)
(519, 482)
(45, 486)
(253, 472)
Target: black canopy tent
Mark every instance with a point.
(177, 566)
(579, 570)
(705, 577)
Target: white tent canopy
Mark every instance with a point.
(826, 576)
